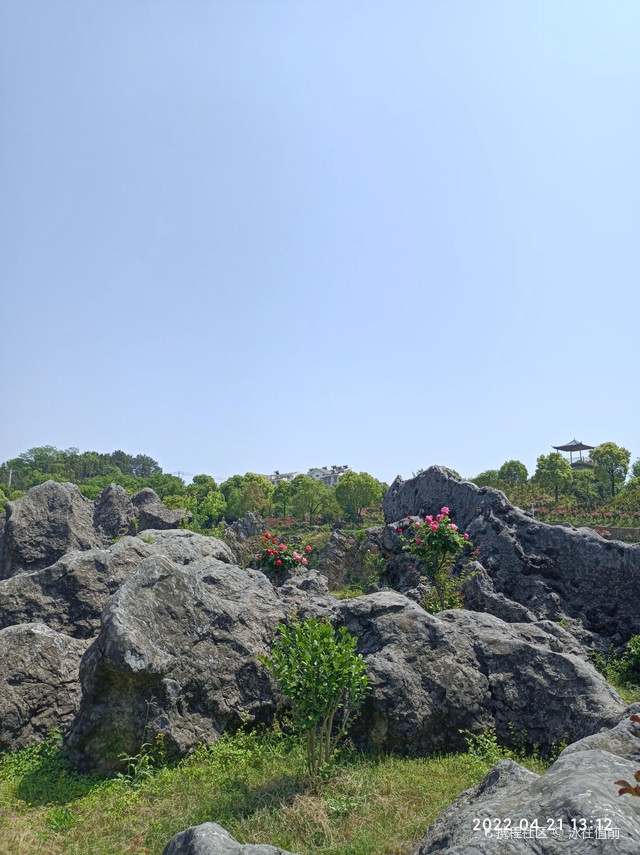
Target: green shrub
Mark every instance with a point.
(322, 675)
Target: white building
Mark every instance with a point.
(330, 477)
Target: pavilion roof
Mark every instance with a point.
(574, 445)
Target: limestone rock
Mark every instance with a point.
(554, 571)
(40, 527)
(70, 595)
(580, 785)
(176, 653)
(306, 595)
(152, 513)
(39, 686)
(114, 514)
(212, 839)
(434, 675)
(186, 547)
(250, 525)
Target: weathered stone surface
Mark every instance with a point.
(212, 839)
(152, 513)
(306, 595)
(114, 514)
(250, 525)
(623, 740)
(555, 571)
(176, 653)
(481, 596)
(50, 520)
(186, 547)
(579, 785)
(39, 686)
(434, 675)
(70, 595)
(342, 559)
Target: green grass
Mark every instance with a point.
(252, 784)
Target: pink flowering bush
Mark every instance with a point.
(278, 558)
(438, 542)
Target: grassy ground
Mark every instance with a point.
(252, 784)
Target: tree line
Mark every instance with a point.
(603, 480)
(208, 503)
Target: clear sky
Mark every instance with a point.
(247, 235)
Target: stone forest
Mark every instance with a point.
(144, 704)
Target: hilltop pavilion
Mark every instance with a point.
(575, 447)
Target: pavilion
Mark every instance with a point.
(575, 447)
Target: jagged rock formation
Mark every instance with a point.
(342, 558)
(579, 785)
(39, 687)
(434, 675)
(70, 595)
(114, 514)
(245, 529)
(212, 839)
(177, 654)
(50, 520)
(53, 519)
(152, 513)
(556, 572)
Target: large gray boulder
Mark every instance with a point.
(212, 839)
(556, 572)
(580, 785)
(152, 513)
(114, 514)
(40, 527)
(39, 686)
(435, 675)
(186, 547)
(176, 654)
(70, 595)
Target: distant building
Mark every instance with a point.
(277, 476)
(330, 477)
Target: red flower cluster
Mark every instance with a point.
(277, 557)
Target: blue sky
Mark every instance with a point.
(267, 234)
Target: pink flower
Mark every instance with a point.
(282, 547)
(304, 560)
(296, 557)
(440, 517)
(466, 536)
(418, 541)
(399, 530)
(428, 519)
(453, 527)
(268, 551)
(308, 548)
(267, 535)
(278, 562)
(416, 525)
(444, 510)
(434, 526)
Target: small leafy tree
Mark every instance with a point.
(325, 679)
(438, 543)
(554, 472)
(613, 462)
(513, 472)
